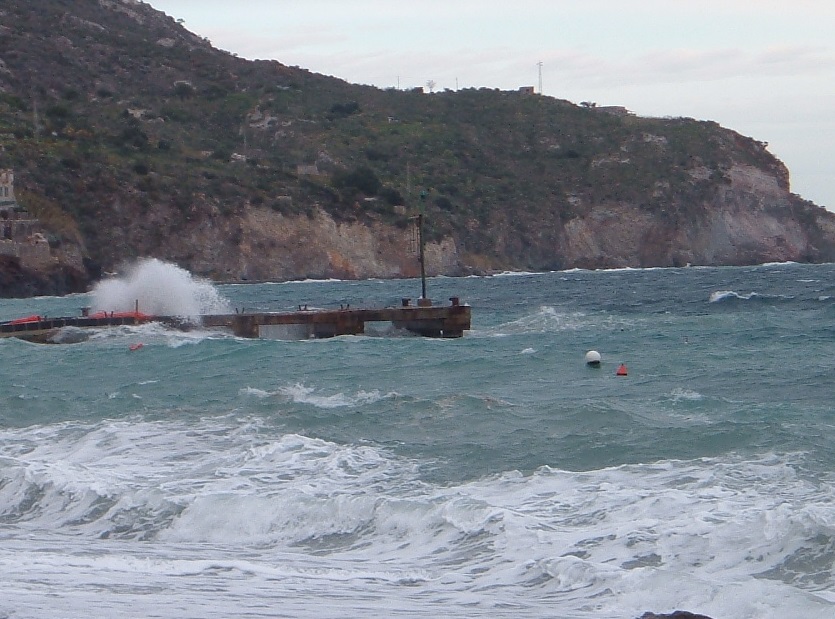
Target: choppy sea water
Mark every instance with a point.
(496, 475)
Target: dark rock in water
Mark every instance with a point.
(69, 335)
(679, 614)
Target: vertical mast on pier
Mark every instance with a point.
(420, 217)
(422, 255)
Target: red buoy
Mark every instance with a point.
(136, 346)
(621, 370)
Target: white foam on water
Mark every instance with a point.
(514, 274)
(545, 319)
(720, 296)
(685, 395)
(158, 288)
(725, 295)
(153, 333)
(302, 394)
(261, 394)
(549, 319)
(199, 506)
(683, 532)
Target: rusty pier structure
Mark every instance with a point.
(448, 321)
(424, 319)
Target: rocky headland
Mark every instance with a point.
(129, 137)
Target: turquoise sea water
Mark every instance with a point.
(496, 475)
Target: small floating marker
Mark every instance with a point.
(593, 359)
(136, 346)
(621, 370)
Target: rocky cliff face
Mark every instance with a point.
(751, 219)
(264, 245)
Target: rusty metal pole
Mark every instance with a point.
(422, 252)
(422, 258)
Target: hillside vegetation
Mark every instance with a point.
(130, 136)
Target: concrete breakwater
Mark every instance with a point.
(425, 319)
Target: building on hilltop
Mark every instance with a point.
(616, 110)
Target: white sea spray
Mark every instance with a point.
(160, 289)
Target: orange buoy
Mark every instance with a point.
(621, 370)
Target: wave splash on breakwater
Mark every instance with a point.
(160, 289)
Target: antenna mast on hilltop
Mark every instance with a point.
(539, 64)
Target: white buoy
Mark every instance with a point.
(593, 358)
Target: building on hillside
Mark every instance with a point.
(8, 205)
(308, 170)
(21, 235)
(7, 187)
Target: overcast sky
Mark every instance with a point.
(765, 68)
